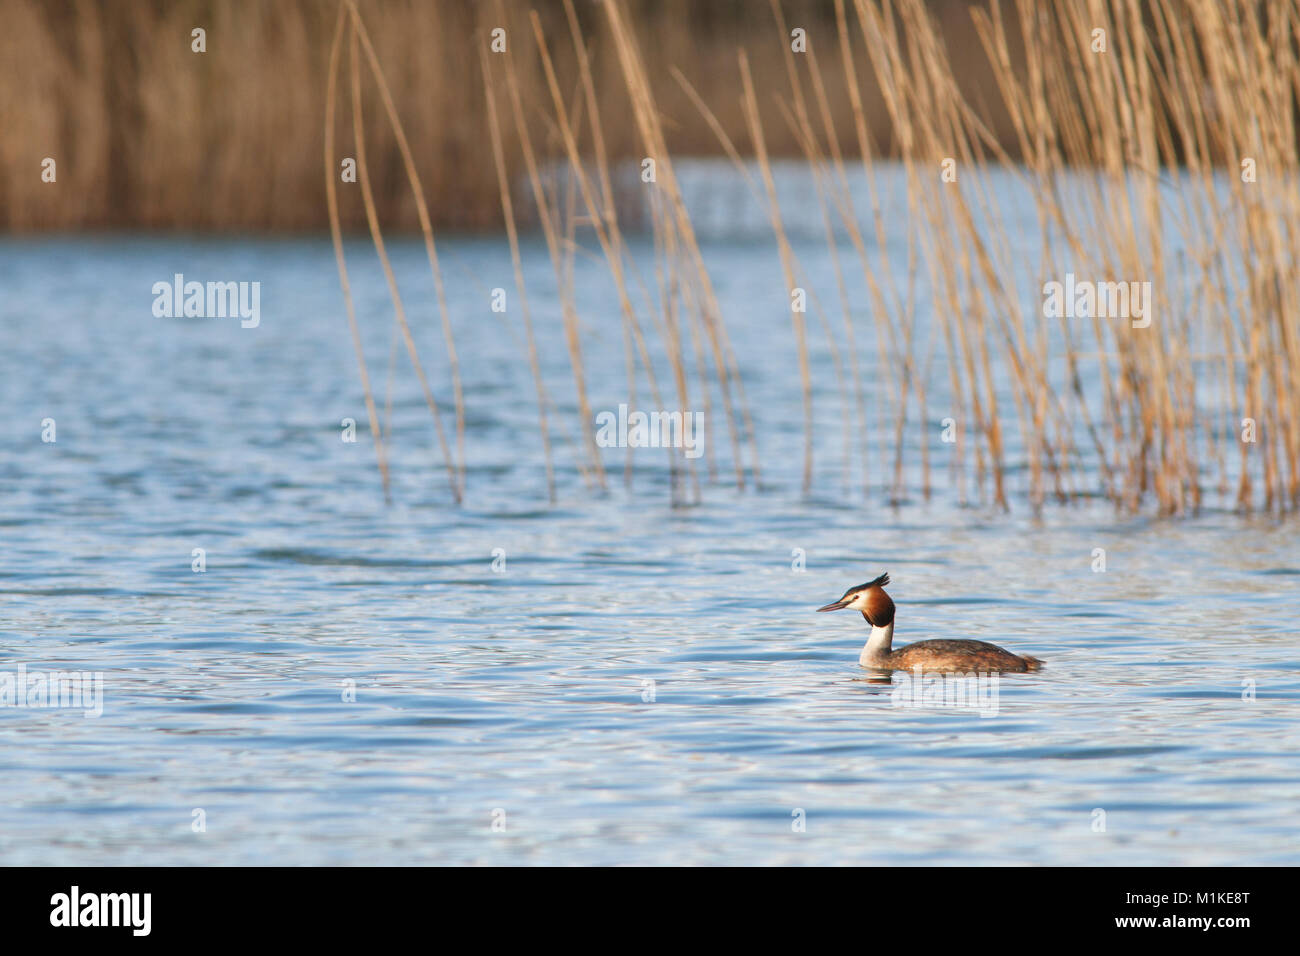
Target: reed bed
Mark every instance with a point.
(148, 134)
(1152, 142)
(1138, 130)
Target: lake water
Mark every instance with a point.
(639, 683)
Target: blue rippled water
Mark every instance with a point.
(638, 683)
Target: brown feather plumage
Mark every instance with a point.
(930, 656)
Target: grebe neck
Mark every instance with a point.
(878, 646)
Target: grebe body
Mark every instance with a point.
(939, 656)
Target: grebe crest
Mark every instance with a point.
(931, 656)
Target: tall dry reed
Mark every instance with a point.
(1137, 135)
(1153, 142)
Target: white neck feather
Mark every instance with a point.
(878, 644)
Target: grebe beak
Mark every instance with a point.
(835, 605)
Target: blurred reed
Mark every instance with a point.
(150, 135)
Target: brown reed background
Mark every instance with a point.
(148, 134)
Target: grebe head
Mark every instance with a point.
(871, 599)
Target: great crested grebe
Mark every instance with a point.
(932, 656)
